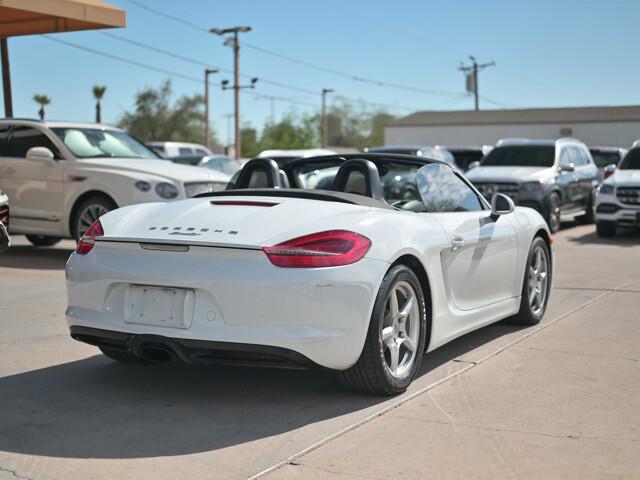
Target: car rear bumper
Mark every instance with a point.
(238, 297)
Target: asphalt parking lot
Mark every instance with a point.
(560, 400)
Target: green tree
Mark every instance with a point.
(98, 93)
(43, 101)
(155, 117)
(289, 133)
(249, 138)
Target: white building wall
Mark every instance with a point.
(621, 134)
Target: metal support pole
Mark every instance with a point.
(236, 92)
(6, 78)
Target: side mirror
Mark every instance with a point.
(501, 204)
(40, 154)
(609, 169)
(5, 240)
(568, 167)
(473, 164)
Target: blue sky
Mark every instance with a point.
(548, 53)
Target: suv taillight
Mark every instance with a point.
(88, 240)
(332, 248)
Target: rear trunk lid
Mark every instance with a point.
(241, 222)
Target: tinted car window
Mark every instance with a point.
(23, 138)
(631, 160)
(184, 151)
(520, 156)
(442, 190)
(465, 157)
(602, 159)
(4, 134)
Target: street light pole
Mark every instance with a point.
(325, 118)
(234, 41)
(207, 129)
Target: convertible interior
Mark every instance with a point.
(381, 180)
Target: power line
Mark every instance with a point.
(298, 61)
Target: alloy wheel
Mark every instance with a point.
(88, 216)
(538, 280)
(400, 330)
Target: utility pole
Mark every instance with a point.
(207, 129)
(325, 117)
(471, 72)
(234, 42)
(6, 77)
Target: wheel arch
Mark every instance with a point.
(76, 205)
(412, 262)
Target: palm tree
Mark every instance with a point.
(98, 93)
(41, 100)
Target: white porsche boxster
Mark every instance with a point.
(393, 257)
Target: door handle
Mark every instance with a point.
(457, 242)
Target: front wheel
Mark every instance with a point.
(536, 285)
(553, 213)
(89, 211)
(42, 240)
(395, 340)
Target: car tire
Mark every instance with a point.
(119, 355)
(589, 217)
(606, 229)
(89, 211)
(534, 289)
(387, 365)
(552, 215)
(42, 240)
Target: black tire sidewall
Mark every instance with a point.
(393, 276)
(550, 208)
(42, 240)
(525, 309)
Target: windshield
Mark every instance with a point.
(631, 161)
(520, 156)
(602, 159)
(96, 143)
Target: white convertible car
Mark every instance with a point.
(401, 256)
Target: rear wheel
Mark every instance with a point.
(42, 240)
(394, 346)
(119, 355)
(536, 285)
(606, 229)
(553, 213)
(89, 211)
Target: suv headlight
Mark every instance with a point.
(166, 190)
(530, 186)
(606, 189)
(143, 186)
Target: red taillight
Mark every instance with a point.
(324, 249)
(608, 173)
(88, 240)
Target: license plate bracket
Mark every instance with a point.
(159, 306)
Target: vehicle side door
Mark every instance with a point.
(587, 173)
(35, 189)
(480, 264)
(567, 179)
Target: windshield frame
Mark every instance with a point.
(623, 163)
(498, 150)
(59, 131)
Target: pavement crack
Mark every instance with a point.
(14, 473)
(460, 360)
(579, 354)
(515, 430)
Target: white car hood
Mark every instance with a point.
(626, 178)
(160, 168)
(507, 174)
(198, 221)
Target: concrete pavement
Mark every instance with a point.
(558, 400)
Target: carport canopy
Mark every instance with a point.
(33, 17)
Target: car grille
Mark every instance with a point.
(196, 188)
(488, 189)
(628, 195)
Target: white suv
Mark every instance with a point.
(618, 197)
(60, 177)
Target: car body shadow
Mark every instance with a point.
(96, 408)
(625, 237)
(35, 258)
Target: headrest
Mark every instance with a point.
(259, 173)
(359, 176)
